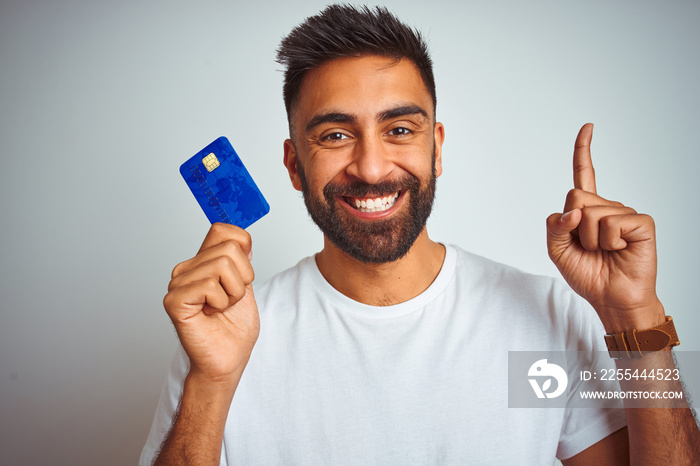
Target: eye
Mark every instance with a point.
(400, 131)
(336, 136)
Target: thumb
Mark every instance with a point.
(559, 231)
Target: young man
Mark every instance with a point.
(387, 347)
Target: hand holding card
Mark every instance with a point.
(223, 187)
(210, 297)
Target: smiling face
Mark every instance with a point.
(365, 153)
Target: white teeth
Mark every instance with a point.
(377, 204)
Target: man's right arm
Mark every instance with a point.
(211, 304)
(198, 428)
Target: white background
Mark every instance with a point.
(100, 102)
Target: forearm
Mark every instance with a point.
(198, 427)
(663, 431)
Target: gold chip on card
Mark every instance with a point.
(210, 162)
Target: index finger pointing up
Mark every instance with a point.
(584, 174)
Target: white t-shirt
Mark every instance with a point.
(334, 381)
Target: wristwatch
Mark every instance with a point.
(633, 343)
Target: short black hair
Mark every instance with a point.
(348, 31)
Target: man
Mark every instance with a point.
(388, 347)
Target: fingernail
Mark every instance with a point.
(565, 217)
(250, 255)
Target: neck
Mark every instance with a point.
(383, 284)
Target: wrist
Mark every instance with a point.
(211, 387)
(634, 343)
(640, 318)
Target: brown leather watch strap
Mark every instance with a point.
(632, 343)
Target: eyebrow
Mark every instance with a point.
(402, 111)
(339, 117)
(330, 117)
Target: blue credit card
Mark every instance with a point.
(223, 187)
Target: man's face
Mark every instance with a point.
(366, 154)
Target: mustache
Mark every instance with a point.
(360, 189)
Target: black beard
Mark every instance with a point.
(372, 241)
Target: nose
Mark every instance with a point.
(371, 161)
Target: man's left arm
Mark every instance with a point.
(607, 254)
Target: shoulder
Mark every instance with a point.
(285, 284)
(491, 277)
(520, 302)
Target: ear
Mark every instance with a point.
(290, 161)
(439, 135)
